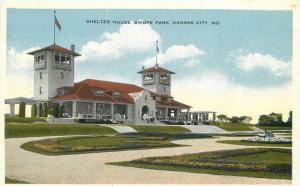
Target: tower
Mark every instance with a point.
(53, 69)
(156, 79)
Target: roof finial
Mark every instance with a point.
(157, 52)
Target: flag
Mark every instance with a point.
(157, 49)
(57, 23)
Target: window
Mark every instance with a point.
(62, 75)
(164, 89)
(68, 60)
(116, 94)
(39, 58)
(56, 57)
(148, 77)
(41, 75)
(99, 92)
(146, 98)
(63, 59)
(40, 90)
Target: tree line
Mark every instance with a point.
(265, 119)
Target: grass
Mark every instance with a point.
(14, 181)
(233, 126)
(35, 130)
(160, 129)
(274, 128)
(253, 162)
(23, 120)
(88, 144)
(239, 142)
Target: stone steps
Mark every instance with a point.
(205, 129)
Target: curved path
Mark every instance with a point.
(91, 168)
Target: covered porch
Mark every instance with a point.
(172, 114)
(95, 110)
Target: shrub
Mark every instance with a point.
(22, 110)
(56, 110)
(45, 110)
(23, 120)
(61, 111)
(33, 111)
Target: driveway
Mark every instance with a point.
(91, 168)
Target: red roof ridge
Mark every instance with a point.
(55, 47)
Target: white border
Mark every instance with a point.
(292, 5)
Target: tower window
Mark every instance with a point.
(41, 75)
(146, 98)
(164, 89)
(40, 90)
(56, 57)
(62, 75)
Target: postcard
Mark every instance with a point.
(132, 93)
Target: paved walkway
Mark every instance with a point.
(91, 168)
(121, 128)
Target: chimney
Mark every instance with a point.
(72, 48)
(143, 67)
(156, 65)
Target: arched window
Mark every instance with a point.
(41, 75)
(62, 75)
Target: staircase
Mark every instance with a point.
(205, 129)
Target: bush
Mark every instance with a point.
(45, 110)
(22, 110)
(33, 111)
(23, 120)
(61, 111)
(56, 110)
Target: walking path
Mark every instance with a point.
(91, 168)
(121, 129)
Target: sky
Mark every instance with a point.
(241, 66)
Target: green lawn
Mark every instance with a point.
(34, 130)
(273, 128)
(253, 162)
(239, 142)
(160, 129)
(88, 144)
(233, 126)
(13, 181)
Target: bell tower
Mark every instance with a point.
(53, 69)
(156, 79)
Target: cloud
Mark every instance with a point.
(214, 91)
(254, 61)
(186, 53)
(20, 60)
(129, 38)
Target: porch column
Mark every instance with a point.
(112, 110)
(74, 109)
(214, 116)
(94, 110)
(188, 115)
(12, 109)
(38, 110)
(167, 113)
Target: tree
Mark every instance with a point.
(271, 119)
(246, 119)
(45, 110)
(56, 110)
(290, 119)
(41, 110)
(33, 111)
(22, 111)
(235, 119)
(61, 110)
(222, 118)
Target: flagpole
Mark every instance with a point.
(54, 27)
(156, 53)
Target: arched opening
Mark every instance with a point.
(145, 112)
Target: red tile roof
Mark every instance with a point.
(57, 48)
(156, 68)
(82, 91)
(172, 103)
